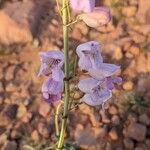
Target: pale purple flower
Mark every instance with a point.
(82, 5)
(105, 70)
(50, 61)
(96, 92)
(100, 16)
(89, 55)
(52, 89)
(110, 81)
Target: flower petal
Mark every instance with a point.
(86, 85)
(105, 70)
(89, 54)
(98, 17)
(52, 87)
(52, 98)
(82, 5)
(57, 74)
(94, 100)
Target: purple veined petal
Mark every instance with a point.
(82, 5)
(117, 80)
(93, 99)
(52, 87)
(100, 16)
(51, 98)
(110, 81)
(105, 70)
(57, 74)
(44, 69)
(52, 57)
(86, 85)
(84, 63)
(89, 54)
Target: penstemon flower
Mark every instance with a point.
(50, 61)
(82, 5)
(100, 16)
(98, 88)
(96, 92)
(89, 55)
(52, 90)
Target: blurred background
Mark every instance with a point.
(30, 26)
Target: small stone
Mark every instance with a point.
(108, 146)
(3, 138)
(144, 119)
(105, 118)
(115, 120)
(147, 142)
(44, 109)
(136, 131)
(128, 85)
(132, 118)
(35, 135)
(113, 110)
(100, 132)
(113, 134)
(11, 87)
(15, 135)
(10, 73)
(134, 50)
(77, 95)
(11, 111)
(128, 143)
(27, 117)
(1, 87)
(22, 110)
(44, 130)
(129, 55)
(10, 145)
(129, 11)
(117, 54)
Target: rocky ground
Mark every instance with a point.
(26, 120)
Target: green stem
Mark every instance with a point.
(66, 100)
(56, 119)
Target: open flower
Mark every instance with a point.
(49, 61)
(96, 92)
(89, 55)
(110, 81)
(82, 5)
(98, 17)
(105, 70)
(52, 90)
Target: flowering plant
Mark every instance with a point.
(101, 76)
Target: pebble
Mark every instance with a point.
(10, 145)
(144, 119)
(128, 85)
(22, 110)
(44, 130)
(113, 134)
(10, 73)
(105, 118)
(11, 111)
(10, 87)
(115, 120)
(113, 110)
(100, 132)
(136, 131)
(132, 118)
(3, 138)
(134, 50)
(129, 11)
(1, 87)
(35, 135)
(128, 143)
(44, 109)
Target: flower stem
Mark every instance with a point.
(66, 100)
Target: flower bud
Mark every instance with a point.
(98, 17)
